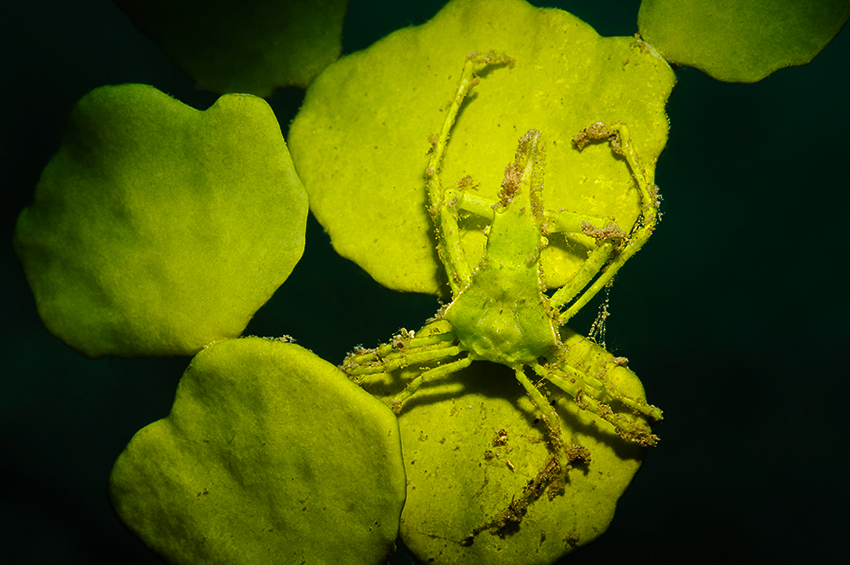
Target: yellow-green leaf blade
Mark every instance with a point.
(362, 156)
(741, 40)
(269, 455)
(157, 229)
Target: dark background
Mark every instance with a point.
(734, 315)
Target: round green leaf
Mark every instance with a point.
(741, 40)
(460, 476)
(269, 455)
(362, 155)
(157, 229)
(251, 46)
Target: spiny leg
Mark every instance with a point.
(551, 475)
(433, 374)
(618, 135)
(607, 238)
(434, 342)
(565, 451)
(385, 366)
(587, 390)
(445, 217)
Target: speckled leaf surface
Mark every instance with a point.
(250, 46)
(460, 477)
(269, 455)
(157, 228)
(362, 154)
(741, 40)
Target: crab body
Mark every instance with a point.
(502, 315)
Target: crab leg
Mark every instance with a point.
(621, 142)
(401, 360)
(549, 417)
(595, 263)
(360, 361)
(434, 342)
(586, 389)
(550, 477)
(437, 373)
(445, 216)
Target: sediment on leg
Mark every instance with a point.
(589, 393)
(508, 520)
(445, 217)
(401, 360)
(617, 134)
(404, 349)
(551, 476)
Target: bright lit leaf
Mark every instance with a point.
(269, 455)
(741, 40)
(157, 229)
(361, 139)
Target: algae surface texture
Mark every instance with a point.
(158, 229)
(269, 455)
(741, 41)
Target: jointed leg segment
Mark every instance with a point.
(400, 353)
(621, 142)
(588, 392)
(439, 344)
(445, 216)
(435, 374)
